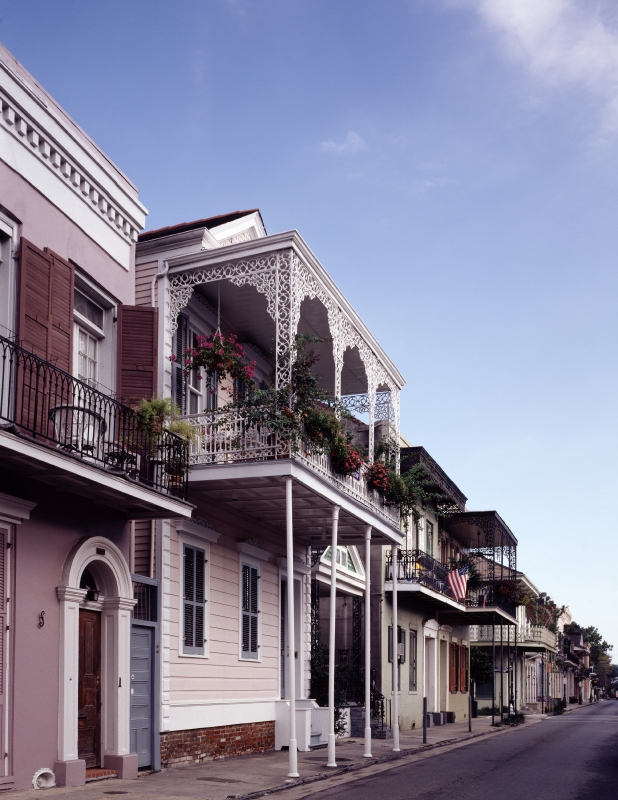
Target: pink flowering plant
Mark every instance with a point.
(219, 354)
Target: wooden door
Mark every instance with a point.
(89, 697)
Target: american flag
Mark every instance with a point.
(485, 593)
(458, 581)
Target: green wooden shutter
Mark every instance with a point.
(179, 382)
(250, 611)
(193, 601)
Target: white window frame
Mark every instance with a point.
(202, 544)
(77, 328)
(246, 560)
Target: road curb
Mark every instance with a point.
(370, 762)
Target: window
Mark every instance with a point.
(88, 309)
(344, 558)
(194, 600)
(413, 644)
(194, 385)
(464, 674)
(443, 550)
(250, 611)
(429, 537)
(87, 357)
(196, 392)
(454, 667)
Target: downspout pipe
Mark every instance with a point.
(153, 285)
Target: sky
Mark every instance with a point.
(452, 163)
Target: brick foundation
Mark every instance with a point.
(206, 744)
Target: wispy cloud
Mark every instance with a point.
(352, 143)
(561, 43)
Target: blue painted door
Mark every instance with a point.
(141, 694)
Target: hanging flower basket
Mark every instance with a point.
(219, 354)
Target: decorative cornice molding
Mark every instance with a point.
(198, 526)
(67, 594)
(14, 509)
(253, 549)
(66, 168)
(299, 565)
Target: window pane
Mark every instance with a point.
(88, 309)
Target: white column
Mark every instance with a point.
(394, 551)
(291, 676)
(116, 675)
(331, 642)
(69, 671)
(367, 753)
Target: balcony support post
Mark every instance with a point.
(395, 638)
(291, 676)
(332, 761)
(367, 753)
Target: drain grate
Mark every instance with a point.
(218, 780)
(315, 758)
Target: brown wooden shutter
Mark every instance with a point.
(137, 353)
(45, 326)
(34, 292)
(452, 664)
(60, 351)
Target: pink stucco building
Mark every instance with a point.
(76, 468)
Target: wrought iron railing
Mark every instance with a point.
(52, 407)
(380, 712)
(225, 437)
(416, 566)
(488, 594)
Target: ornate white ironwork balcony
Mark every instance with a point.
(224, 437)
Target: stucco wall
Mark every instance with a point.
(46, 226)
(41, 546)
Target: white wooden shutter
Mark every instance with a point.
(193, 600)
(250, 611)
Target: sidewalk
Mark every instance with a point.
(265, 772)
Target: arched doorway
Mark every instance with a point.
(96, 598)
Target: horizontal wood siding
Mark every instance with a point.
(143, 536)
(144, 273)
(223, 675)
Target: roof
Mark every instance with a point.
(208, 222)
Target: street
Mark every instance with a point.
(572, 757)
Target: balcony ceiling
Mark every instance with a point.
(480, 529)
(250, 489)
(33, 463)
(244, 312)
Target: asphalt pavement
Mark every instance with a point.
(569, 757)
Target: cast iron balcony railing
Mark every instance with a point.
(51, 407)
(225, 437)
(526, 634)
(415, 566)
